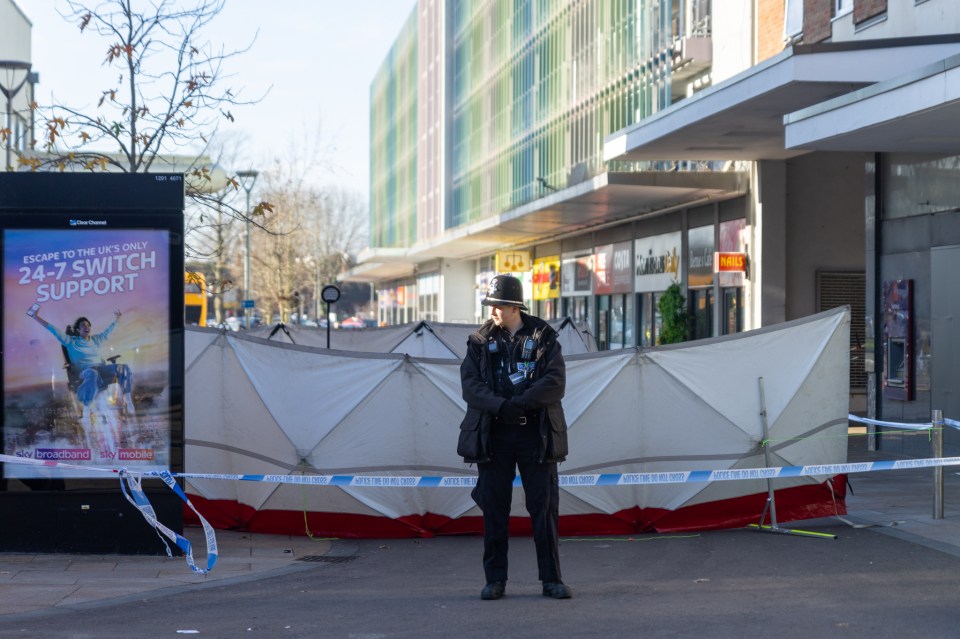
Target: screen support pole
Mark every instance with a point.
(771, 505)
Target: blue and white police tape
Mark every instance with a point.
(130, 485)
(578, 480)
(598, 479)
(918, 426)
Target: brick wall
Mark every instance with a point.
(769, 28)
(866, 9)
(816, 20)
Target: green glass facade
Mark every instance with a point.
(539, 84)
(533, 89)
(393, 144)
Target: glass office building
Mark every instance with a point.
(513, 101)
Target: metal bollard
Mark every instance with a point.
(936, 443)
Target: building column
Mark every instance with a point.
(768, 269)
(458, 288)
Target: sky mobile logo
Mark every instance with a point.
(135, 454)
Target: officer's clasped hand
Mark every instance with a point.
(511, 410)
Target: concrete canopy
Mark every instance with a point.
(608, 198)
(915, 113)
(742, 118)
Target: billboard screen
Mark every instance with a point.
(87, 347)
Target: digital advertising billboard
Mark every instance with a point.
(92, 372)
(86, 359)
(92, 329)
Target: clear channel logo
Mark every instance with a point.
(88, 222)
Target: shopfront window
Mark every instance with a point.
(732, 311)
(482, 313)
(732, 272)
(613, 279)
(577, 309)
(920, 184)
(398, 304)
(428, 299)
(700, 309)
(603, 322)
(650, 321)
(619, 313)
(548, 309)
(700, 280)
(615, 321)
(407, 301)
(545, 287)
(576, 286)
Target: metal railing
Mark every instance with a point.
(935, 426)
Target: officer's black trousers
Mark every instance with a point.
(515, 447)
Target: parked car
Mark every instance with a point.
(352, 323)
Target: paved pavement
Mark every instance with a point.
(32, 582)
(894, 503)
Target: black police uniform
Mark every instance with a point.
(515, 445)
(532, 443)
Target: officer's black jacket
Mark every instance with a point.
(541, 395)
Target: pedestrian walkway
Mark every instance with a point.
(896, 503)
(31, 582)
(900, 503)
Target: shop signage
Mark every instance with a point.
(657, 262)
(576, 274)
(730, 262)
(732, 240)
(612, 269)
(546, 278)
(512, 261)
(700, 260)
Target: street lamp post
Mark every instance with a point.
(10, 92)
(316, 293)
(247, 180)
(330, 295)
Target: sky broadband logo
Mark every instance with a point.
(63, 454)
(88, 222)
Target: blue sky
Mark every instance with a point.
(319, 56)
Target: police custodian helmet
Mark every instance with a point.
(505, 290)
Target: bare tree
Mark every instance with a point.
(215, 239)
(313, 232)
(170, 95)
(214, 235)
(167, 95)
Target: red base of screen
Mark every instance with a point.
(793, 504)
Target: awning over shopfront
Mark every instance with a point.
(917, 112)
(608, 198)
(742, 118)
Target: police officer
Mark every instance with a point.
(513, 379)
